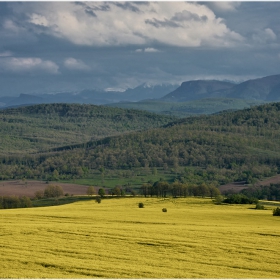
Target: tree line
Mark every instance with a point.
(177, 189)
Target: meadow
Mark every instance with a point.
(117, 239)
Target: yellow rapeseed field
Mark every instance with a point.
(116, 239)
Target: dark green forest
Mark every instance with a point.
(40, 127)
(230, 146)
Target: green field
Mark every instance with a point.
(116, 239)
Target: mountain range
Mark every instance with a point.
(91, 96)
(266, 89)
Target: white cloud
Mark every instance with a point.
(29, 64)
(264, 36)
(149, 50)
(225, 6)
(75, 64)
(184, 24)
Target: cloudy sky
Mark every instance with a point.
(47, 47)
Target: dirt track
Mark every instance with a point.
(28, 188)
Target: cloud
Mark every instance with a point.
(224, 6)
(149, 50)
(183, 24)
(75, 64)
(264, 36)
(29, 64)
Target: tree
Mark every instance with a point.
(202, 190)
(25, 202)
(53, 191)
(39, 194)
(214, 192)
(101, 192)
(116, 191)
(90, 190)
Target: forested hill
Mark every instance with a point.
(40, 127)
(231, 146)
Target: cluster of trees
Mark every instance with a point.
(177, 189)
(271, 192)
(49, 192)
(8, 202)
(240, 199)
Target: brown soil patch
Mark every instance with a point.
(236, 187)
(267, 182)
(28, 188)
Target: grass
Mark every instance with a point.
(134, 177)
(60, 201)
(116, 239)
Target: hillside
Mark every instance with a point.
(40, 127)
(189, 108)
(267, 89)
(231, 146)
(194, 90)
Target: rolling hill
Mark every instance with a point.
(230, 146)
(39, 127)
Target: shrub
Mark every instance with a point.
(164, 210)
(276, 212)
(141, 205)
(259, 206)
(98, 199)
(218, 199)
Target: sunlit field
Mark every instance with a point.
(116, 239)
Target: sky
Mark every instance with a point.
(49, 47)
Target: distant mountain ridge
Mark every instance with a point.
(194, 90)
(263, 89)
(91, 96)
(266, 89)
